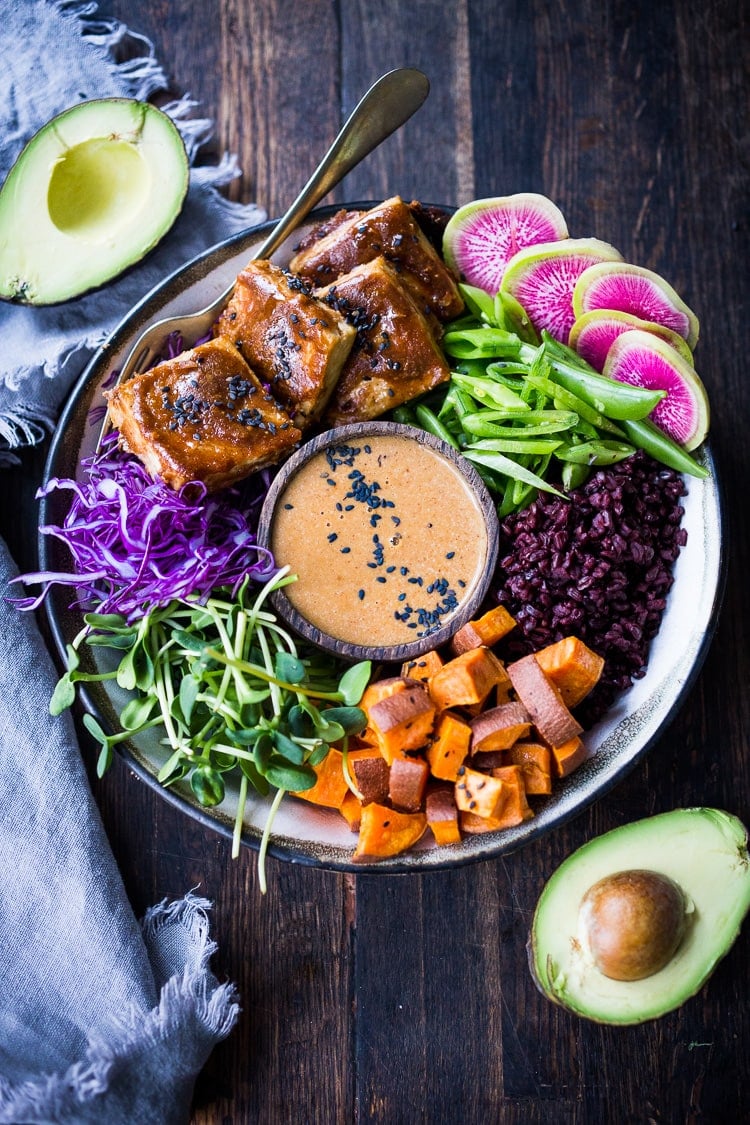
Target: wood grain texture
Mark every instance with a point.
(407, 999)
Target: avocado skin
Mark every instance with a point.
(703, 850)
(92, 192)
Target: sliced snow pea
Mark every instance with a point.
(620, 401)
(613, 399)
(478, 302)
(573, 476)
(520, 444)
(509, 468)
(489, 391)
(480, 342)
(405, 415)
(568, 401)
(595, 452)
(658, 445)
(430, 422)
(530, 424)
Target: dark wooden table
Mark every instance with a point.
(407, 999)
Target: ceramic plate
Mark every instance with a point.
(301, 832)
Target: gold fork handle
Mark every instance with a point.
(389, 102)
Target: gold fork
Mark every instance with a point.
(390, 102)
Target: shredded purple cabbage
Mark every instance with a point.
(137, 544)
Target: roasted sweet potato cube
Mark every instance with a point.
(370, 771)
(374, 693)
(568, 756)
(423, 667)
(330, 789)
(467, 679)
(442, 816)
(572, 667)
(503, 691)
(535, 762)
(487, 630)
(395, 358)
(552, 719)
(488, 760)
(295, 343)
(479, 793)
(447, 751)
(500, 727)
(351, 810)
(403, 721)
(381, 689)
(515, 807)
(512, 807)
(385, 832)
(408, 781)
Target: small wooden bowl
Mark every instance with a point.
(470, 597)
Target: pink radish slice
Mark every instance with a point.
(636, 290)
(644, 360)
(481, 237)
(542, 279)
(593, 333)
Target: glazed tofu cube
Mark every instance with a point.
(202, 416)
(392, 231)
(292, 341)
(395, 357)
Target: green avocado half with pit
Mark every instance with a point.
(91, 193)
(701, 853)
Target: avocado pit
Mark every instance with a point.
(632, 923)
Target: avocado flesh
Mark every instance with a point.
(93, 191)
(704, 851)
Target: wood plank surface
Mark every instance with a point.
(407, 999)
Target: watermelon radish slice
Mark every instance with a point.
(636, 290)
(644, 360)
(481, 237)
(542, 279)
(593, 333)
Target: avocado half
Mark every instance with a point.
(704, 851)
(91, 193)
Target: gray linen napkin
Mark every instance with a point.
(55, 55)
(101, 1019)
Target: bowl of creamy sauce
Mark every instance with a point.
(392, 537)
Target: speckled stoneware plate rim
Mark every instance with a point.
(473, 596)
(639, 718)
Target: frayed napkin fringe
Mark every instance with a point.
(21, 425)
(24, 425)
(192, 995)
(141, 76)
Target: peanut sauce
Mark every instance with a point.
(386, 537)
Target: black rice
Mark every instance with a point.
(599, 565)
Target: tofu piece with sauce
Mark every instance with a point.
(391, 231)
(395, 358)
(203, 415)
(292, 341)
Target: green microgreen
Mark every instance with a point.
(229, 691)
